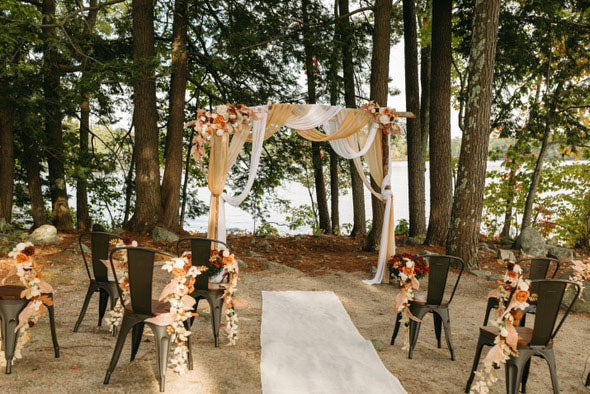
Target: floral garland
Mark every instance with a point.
(231, 316)
(224, 119)
(408, 285)
(384, 117)
(36, 291)
(507, 318)
(397, 264)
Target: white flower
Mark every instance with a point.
(220, 132)
(384, 119)
(523, 285)
(225, 253)
(134, 244)
(517, 268)
(19, 248)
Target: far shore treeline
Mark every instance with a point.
(94, 96)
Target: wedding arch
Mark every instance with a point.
(352, 133)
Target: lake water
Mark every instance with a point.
(240, 220)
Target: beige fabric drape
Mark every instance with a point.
(217, 176)
(354, 122)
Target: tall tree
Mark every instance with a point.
(148, 203)
(6, 157)
(334, 85)
(379, 93)
(359, 226)
(416, 163)
(425, 49)
(441, 179)
(468, 201)
(53, 115)
(173, 170)
(316, 150)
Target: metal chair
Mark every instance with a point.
(434, 303)
(11, 305)
(536, 341)
(588, 380)
(141, 263)
(201, 251)
(538, 269)
(98, 274)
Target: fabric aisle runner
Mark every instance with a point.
(310, 345)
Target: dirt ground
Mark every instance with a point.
(298, 263)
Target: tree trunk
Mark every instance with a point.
(148, 202)
(440, 124)
(6, 161)
(129, 186)
(505, 233)
(318, 172)
(187, 166)
(62, 218)
(416, 165)
(334, 192)
(379, 93)
(468, 202)
(334, 158)
(359, 226)
(173, 171)
(425, 90)
(33, 169)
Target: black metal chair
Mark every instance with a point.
(11, 305)
(141, 262)
(588, 380)
(98, 274)
(434, 303)
(200, 249)
(536, 341)
(539, 268)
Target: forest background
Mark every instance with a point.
(517, 73)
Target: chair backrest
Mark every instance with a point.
(437, 279)
(539, 268)
(140, 268)
(99, 247)
(550, 294)
(200, 253)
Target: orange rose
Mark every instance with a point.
(513, 276)
(521, 296)
(22, 258)
(177, 272)
(408, 271)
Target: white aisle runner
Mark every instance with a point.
(310, 345)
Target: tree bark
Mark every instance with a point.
(148, 204)
(416, 165)
(468, 202)
(440, 124)
(425, 65)
(6, 160)
(379, 92)
(505, 233)
(318, 172)
(33, 169)
(173, 171)
(62, 218)
(334, 158)
(359, 226)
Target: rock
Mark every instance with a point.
(86, 249)
(504, 254)
(481, 273)
(264, 245)
(5, 227)
(413, 241)
(562, 254)
(160, 234)
(242, 264)
(532, 243)
(482, 246)
(581, 305)
(45, 235)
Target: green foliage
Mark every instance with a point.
(402, 228)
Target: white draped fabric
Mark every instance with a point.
(351, 133)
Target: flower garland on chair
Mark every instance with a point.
(227, 118)
(507, 318)
(581, 273)
(405, 267)
(36, 291)
(384, 117)
(114, 317)
(231, 316)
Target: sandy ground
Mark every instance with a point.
(86, 354)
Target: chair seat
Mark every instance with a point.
(525, 334)
(158, 307)
(420, 300)
(11, 292)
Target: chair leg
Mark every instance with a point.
(216, 305)
(525, 375)
(549, 356)
(9, 339)
(126, 325)
(481, 342)
(162, 348)
(103, 301)
(414, 329)
(398, 320)
(588, 380)
(437, 328)
(89, 293)
(114, 298)
(492, 304)
(51, 313)
(136, 335)
(187, 325)
(514, 370)
(446, 321)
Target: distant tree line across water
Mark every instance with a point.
(515, 70)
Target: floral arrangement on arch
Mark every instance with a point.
(36, 290)
(406, 267)
(507, 319)
(384, 117)
(581, 273)
(227, 118)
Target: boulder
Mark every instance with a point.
(562, 254)
(504, 254)
(532, 243)
(160, 234)
(582, 305)
(45, 235)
